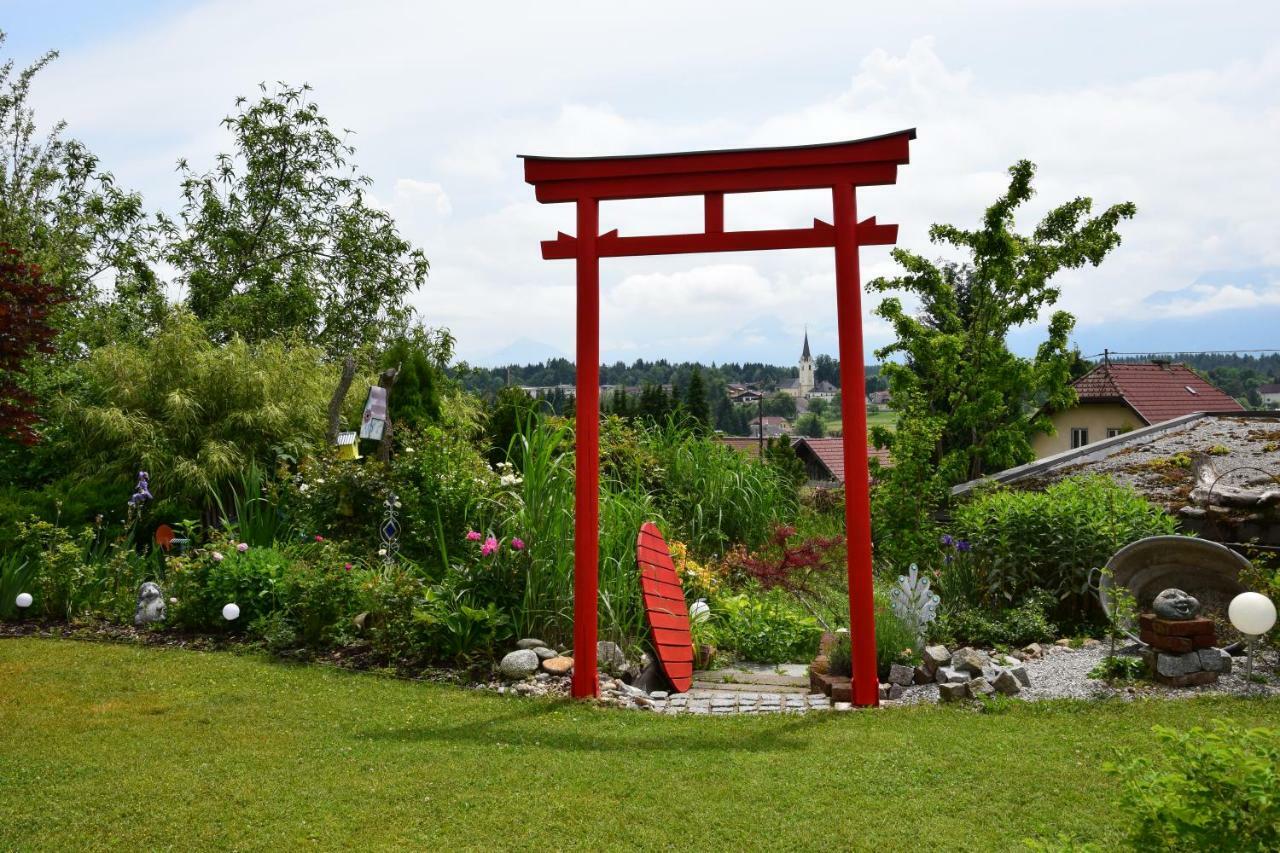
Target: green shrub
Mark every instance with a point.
(1213, 789)
(219, 574)
(17, 575)
(765, 627)
(1051, 539)
(192, 413)
(987, 627)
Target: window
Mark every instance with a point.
(1112, 432)
(1079, 437)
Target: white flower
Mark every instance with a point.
(303, 487)
(382, 552)
(320, 482)
(397, 504)
(173, 601)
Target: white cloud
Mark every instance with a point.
(426, 192)
(450, 94)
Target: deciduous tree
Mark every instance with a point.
(279, 238)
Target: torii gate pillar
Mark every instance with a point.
(841, 167)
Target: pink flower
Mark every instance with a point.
(319, 538)
(242, 547)
(490, 545)
(347, 567)
(517, 544)
(217, 556)
(473, 535)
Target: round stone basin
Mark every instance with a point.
(1207, 570)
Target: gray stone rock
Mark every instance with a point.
(901, 675)
(1005, 683)
(609, 657)
(935, 656)
(970, 660)
(949, 675)
(1171, 665)
(1020, 672)
(980, 687)
(659, 694)
(1175, 604)
(519, 664)
(1215, 660)
(530, 643)
(1033, 650)
(544, 653)
(953, 692)
(922, 676)
(884, 690)
(895, 691)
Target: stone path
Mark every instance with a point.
(741, 702)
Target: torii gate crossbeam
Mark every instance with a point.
(841, 167)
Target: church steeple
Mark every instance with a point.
(804, 381)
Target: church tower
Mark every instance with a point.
(805, 382)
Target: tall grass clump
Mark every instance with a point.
(720, 497)
(545, 514)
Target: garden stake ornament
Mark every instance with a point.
(840, 167)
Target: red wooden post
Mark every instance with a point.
(857, 482)
(586, 498)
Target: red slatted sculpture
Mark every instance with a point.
(840, 167)
(664, 605)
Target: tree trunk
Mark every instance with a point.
(340, 394)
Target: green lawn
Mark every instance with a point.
(111, 747)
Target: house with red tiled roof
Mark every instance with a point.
(823, 459)
(1116, 398)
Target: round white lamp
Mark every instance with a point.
(699, 611)
(23, 600)
(231, 612)
(1252, 614)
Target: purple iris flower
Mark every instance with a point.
(946, 539)
(962, 545)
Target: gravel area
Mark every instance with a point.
(1063, 673)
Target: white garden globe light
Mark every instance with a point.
(231, 612)
(23, 600)
(1252, 613)
(700, 611)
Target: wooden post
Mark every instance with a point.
(586, 499)
(857, 482)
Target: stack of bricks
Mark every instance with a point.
(1182, 652)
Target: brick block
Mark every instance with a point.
(1204, 641)
(1167, 644)
(842, 691)
(1182, 627)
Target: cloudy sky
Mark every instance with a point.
(1172, 105)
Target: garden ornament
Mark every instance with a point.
(1175, 604)
(913, 602)
(151, 606)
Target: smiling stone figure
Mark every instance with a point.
(1175, 604)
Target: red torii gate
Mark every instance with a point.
(840, 166)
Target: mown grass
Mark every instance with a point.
(121, 747)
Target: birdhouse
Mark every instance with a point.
(348, 446)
